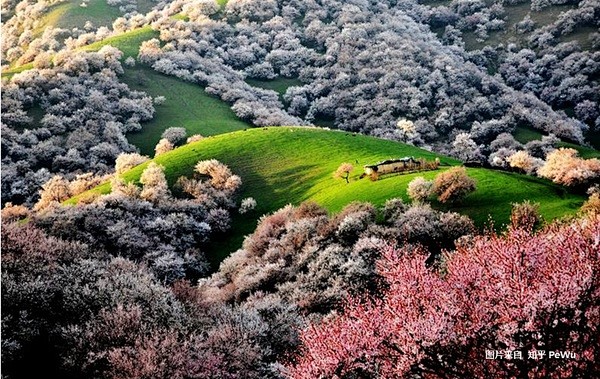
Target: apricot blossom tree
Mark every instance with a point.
(519, 292)
(343, 171)
(563, 166)
(453, 185)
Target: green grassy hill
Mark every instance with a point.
(71, 14)
(128, 42)
(282, 165)
(187, 104)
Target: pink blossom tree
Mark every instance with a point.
(518, 292)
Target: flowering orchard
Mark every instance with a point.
(514, 292)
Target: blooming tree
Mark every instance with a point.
(343, 171)
(563, 166)
(54, 190)
(163, 146)
(523, 161)
(248, 204)
(419, 189)
(194, 138)
(519, 292)
(592, 205)
(175, 135)
(406, 129)
(453, 185)
(525, 214)
(126, 161)
(155, 183)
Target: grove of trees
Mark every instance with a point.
(151, 225)
(360, 68)
(85, 112)
(309, 295)
(513, 292)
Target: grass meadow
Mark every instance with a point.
(281, 165)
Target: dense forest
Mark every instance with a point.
(138, 243)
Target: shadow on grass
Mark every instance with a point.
(296, 182)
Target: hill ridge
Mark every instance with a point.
(299, 162)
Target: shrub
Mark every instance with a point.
(194, 138)
(499, 158)
(422, 224)
(407, 129)
(541, 148)
(163, 146)
(155, 184)
(592, 205)
(525, 162)
(525, 215)
(130, 62)
(159, 100)
(247, 205)
(175, 135)
(393, 208)
(121, 188)
(53, 191)
(453, 185)
(465, 149)
(12, 212)
(419, 223)
(126, 161)
(220, 175)
(454, 226)
(352, 226)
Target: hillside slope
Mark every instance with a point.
(282, 165)
(71, 14)
(187, 104)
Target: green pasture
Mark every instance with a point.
(282, 165)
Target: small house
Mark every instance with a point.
(393, 165)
